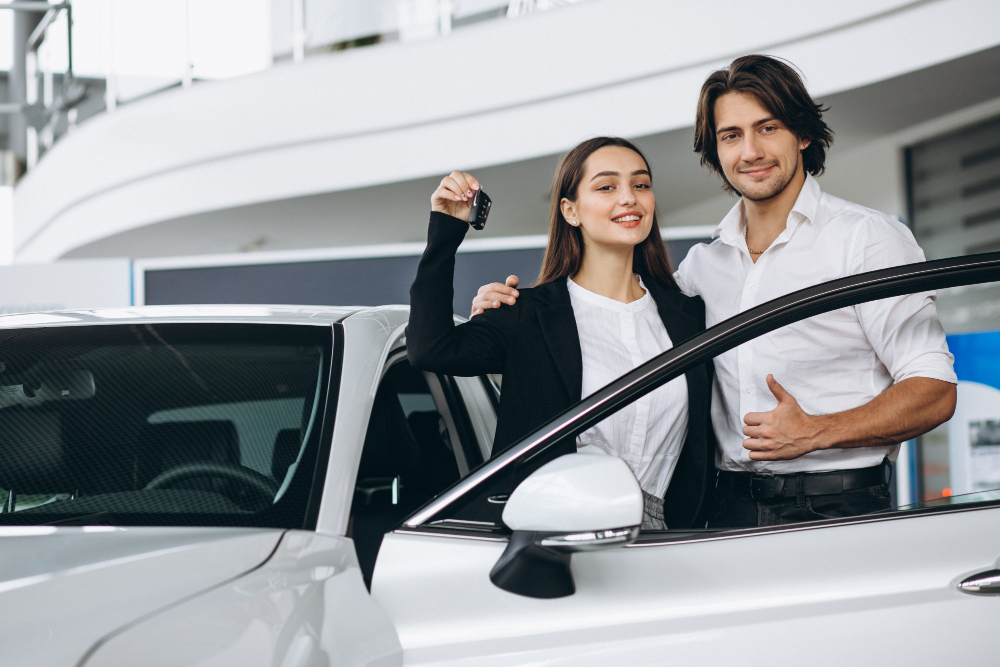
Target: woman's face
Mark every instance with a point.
(614, 202)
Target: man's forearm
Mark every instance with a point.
(901, 412)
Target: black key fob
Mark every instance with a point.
(480, 209)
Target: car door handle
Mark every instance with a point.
(982, 583)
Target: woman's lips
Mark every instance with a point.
(627, 219)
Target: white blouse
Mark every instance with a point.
(616, 337)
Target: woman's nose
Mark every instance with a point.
(627, 197)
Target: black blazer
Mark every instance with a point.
(536, 346)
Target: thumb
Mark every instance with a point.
(512, 281)
(779, 391)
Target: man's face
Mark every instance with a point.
(758, 154)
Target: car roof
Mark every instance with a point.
(235, 313)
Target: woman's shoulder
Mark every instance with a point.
(693, 305)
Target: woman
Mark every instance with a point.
(605, 302)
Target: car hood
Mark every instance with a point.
(66, 590)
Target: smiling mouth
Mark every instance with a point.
(629, 219)
(757, 172)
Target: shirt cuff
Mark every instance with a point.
(939, 366)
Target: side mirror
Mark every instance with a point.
(579, 502)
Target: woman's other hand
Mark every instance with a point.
(454, 196)
(492, 295)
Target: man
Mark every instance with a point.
(857, 381)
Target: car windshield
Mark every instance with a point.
(161, 424)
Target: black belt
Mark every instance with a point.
(763, 487)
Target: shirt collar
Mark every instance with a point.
(730, 230)
(610, 304)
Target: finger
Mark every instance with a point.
(766, 456)
(453, 187)
(476, 311)
(464, 188)
(758, 444)
(778, 391)
(473, 182)
(497, 288)
(758, 432)
(483, 303)
(500, 296)
(512, 281)
(754, 418)
(502, 290)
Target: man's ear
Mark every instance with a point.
(568, 209)
(804, 144)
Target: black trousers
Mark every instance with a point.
(734, 509)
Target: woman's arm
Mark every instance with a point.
(433, 341)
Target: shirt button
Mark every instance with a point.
(747, 390)
(751, 285)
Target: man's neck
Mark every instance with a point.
(766, 219)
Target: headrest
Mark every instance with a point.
(390, 447)
(32, 452)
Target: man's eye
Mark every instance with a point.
(769, 128)
(728, 137)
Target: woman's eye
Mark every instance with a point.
(605, 187)
(643, 186)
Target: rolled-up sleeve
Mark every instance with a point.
(904, 331)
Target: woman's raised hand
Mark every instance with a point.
(454, 196)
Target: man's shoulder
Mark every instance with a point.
(849, 214)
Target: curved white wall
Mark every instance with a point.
(485, 95)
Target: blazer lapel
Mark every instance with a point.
(558, 324)
(680, 324)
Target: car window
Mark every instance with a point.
(162, 424)
(959, 461)
(480, 400)
(787, 329)
(410, 454)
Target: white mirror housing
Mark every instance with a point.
(578, 502)
(576, 492)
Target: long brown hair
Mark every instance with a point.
(779, 89)
(564, 253)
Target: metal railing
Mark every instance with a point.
(42, 104)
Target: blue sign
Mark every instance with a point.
(977, 357)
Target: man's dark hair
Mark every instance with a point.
(779, 89)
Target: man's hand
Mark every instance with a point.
(492, 295)
(786, 432)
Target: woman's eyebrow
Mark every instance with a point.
(637, 172)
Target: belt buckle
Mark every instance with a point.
(765, 488)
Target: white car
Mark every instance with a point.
(258, 485)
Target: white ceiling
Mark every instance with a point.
(686, 193)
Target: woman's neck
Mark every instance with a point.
(609, 274)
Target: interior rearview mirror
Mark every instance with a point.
(578, 502)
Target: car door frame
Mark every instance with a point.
(437, 517)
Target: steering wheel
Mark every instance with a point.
(263, 486)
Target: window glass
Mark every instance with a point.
(408, 457)
(172, 424)
(481, 411)
(959, 461)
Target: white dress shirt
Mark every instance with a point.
(615, 338)
(830, 362)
